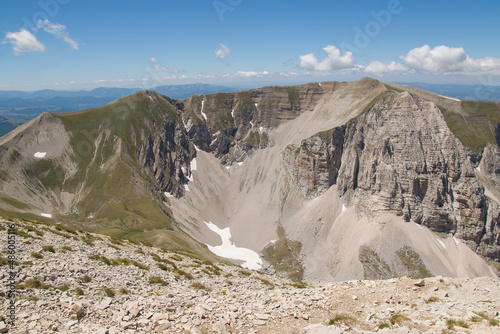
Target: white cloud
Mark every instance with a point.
(23, 42)
(379, 68)
(250, 74)
(222, 52)
(333, 61)
(162, 69)
(447, 60)
(58, 31)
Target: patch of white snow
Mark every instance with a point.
(40, 154)
(202, 105)
(47, 215)
(456, 241)
(261, 129)
(441, 243)
(251, 259)
(256, 105)
(227, 167)
(251, 123)
(232, 113)
(478, 168)
(343, 208)
(450, 98)
(240, 163)
(186, 187)
(193, 164)
(168, 195)
(196, 148)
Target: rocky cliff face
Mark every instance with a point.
(401, 157)
(232, 125)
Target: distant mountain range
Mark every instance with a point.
(28, 105)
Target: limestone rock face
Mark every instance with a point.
(231, 125)
(401, 157)
(164, 152)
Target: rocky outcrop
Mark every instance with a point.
(232, 125)
(164, 152)
(401, 157)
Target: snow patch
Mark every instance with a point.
(273, 241)
(232, 113)
(196, 148)
(168, 195)
(261, 129)
(186, 187)
(441, 243)
(251, 259)
(202, 105)
(343, 208)
(478, 168)
(47, 215)
(193, 165)
(251, 123)
(256, 105)
(240, 163)
(456, 241)
(227, 167)
(320, 84)
(450, 98)
(40, 154)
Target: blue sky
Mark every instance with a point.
(74, 44)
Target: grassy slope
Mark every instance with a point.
(476, 128)
(117, 196)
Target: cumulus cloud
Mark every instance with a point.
(379, 68)
(58, 31)
(333, 61)
(23, 42)
(222, 52)
(162, 69)
(446, 60)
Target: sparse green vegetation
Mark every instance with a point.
(86, 279)
(383, 325)
(451, 323)
(33, 283)
(61, 227)
(199, 286)
(157, 280)
(63, 287)
(245, 273)
(179, 272)
(265, 281)
(432, 299)
(398, 318)
(175, 258)
(66, 248)
(109, 292)
(48, 249)
(78, 292)
(342, 318)
(123, 291)
(36, 255)
(284, 255)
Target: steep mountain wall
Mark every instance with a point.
(401, 157)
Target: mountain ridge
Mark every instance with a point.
(147, 166)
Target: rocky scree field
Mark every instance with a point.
(71, 281)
